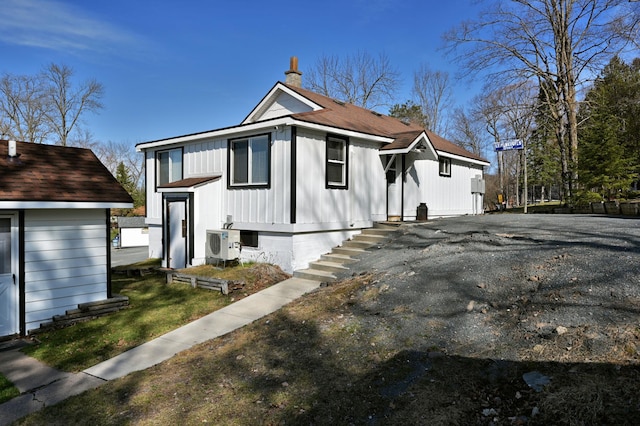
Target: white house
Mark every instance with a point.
(54, 232)
(299, 175)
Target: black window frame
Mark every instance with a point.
(159, 169)
(231, 158)
(447, 162)
(345, 161)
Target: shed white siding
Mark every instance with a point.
(65, 261)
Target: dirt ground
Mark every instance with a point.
(540, 312)
(490, 320)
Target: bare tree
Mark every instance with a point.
(68, 103)
(557, 44)
(469, 131)
(113, 153)
(23, 108)
(359, 79)
(432, 91)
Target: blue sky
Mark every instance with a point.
(176, 67)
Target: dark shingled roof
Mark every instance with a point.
(56, 173)
(351, 117)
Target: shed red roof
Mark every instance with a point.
(56, 173)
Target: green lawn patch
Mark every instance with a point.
(155, 308)
(7, 390)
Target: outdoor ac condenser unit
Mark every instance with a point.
(223, 244)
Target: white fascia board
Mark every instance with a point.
(461, 158)
(215, 133)
(270, 97)
(33, 205)
(412, 146)
(342, 132)
(261, 125)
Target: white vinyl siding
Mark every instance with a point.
(65, 261)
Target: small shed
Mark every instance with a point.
(133, 232)
(55, 240)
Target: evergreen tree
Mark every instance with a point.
(609, 136)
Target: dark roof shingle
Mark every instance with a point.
(351, 117)
(56, 173)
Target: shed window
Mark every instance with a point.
(445, 166)
(5, 246)
(169, 166)
(337, 162)
(249, 161)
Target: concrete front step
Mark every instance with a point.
(348, 251)
(357, 244)
(315, 275)
(324, 265)
(338, 258)
(369, 238)
(383, 232)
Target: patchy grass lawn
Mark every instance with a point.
(155, 308)
(7, 390)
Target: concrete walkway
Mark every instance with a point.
(41, 386)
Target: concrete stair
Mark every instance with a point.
(329, 265)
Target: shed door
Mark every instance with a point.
(177, 233)
(8, 278)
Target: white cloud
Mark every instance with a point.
(53, 25)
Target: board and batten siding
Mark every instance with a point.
(448, 195)
(364, 198)
(65, 261)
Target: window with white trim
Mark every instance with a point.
(249, 161)
(445, 166)
(337, 162)
(169, 166)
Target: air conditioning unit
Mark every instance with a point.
(222, 244)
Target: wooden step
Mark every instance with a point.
(315, 275)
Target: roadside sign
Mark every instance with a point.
(508, 144)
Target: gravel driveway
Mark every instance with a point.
(510, 286)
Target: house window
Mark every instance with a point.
(445, 166)
(337, 162)
(169, 166)
(249, 238)
(249, 161)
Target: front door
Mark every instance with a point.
(394, 188)
(8, 277)
(177, 234)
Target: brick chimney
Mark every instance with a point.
(294, 77)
